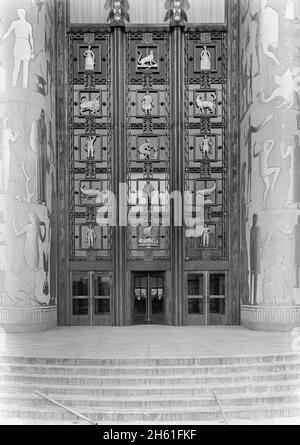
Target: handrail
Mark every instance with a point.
(220, 407)
(66, 408)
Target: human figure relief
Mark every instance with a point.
(256, 246)
(206, 236)
(205, 64)
(248, 141)
(294, 233)
(265, 171)
(290, 10)
(33, 234)
(23, 48)
(147, 61)
(147, 103)
(147, 151)
(38, 142)
(91, 237)
(149, 237)
(276, 283)
(292, 152)
(206, 146)
(287, 89)
(89, 59)
(267, 33)
(176, 10)
(6, 137)
(89, 146)
(118, 10)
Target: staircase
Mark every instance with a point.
(146, 391)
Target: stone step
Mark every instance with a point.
(83, 402)
(150, 370)
(183, 361)
(134, 380)
(201, 414)
(152, 391)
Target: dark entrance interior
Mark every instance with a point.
(148, 298)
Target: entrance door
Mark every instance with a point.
(91, 299)
(148, 298)
(207, 301)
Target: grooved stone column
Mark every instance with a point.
(27, 166)
(178, 239)
(270, 163)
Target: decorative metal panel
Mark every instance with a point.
(206, 152)
(148, 139)
(89, 127)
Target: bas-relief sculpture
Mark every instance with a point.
(176, 10)
(89, 59)
(206, 146)
(292, 153)
(23, 50)
(33, 235)
(209, 104)
(205, 63)
(147, 103)
(118, 10)
(266, 172)
(89, 146)
(91, 237)
(90, 105)
(267, 33)
(7, 135)
(276, 268)
(146, 61)
(147, 151)
(27, 280)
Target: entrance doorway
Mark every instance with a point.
(148, 298)
(91, 299)
(207, 300)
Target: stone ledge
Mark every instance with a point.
(270, 318)
(28, 319)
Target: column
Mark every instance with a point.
(177, 163)
(27, 166)
(270, 164)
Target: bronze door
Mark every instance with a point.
(148, 298)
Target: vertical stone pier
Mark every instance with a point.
(270, 164)
(28, 288)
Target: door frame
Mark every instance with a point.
(206, 318)
(149, 316)
(90, 319)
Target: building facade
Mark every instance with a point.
(152, 173)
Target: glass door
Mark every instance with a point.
(148, 297)
(206, 298)
(91, 299)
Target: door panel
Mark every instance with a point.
(148, 298)
(91, 299)
(206, 298)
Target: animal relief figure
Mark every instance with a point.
(89, 193)
(147, 61)
(205, 104)
(33, 234)
(90, 105)
(287, 89)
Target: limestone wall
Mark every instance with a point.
(27, 160)
(270, 152)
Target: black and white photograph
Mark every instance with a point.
(149, 215)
